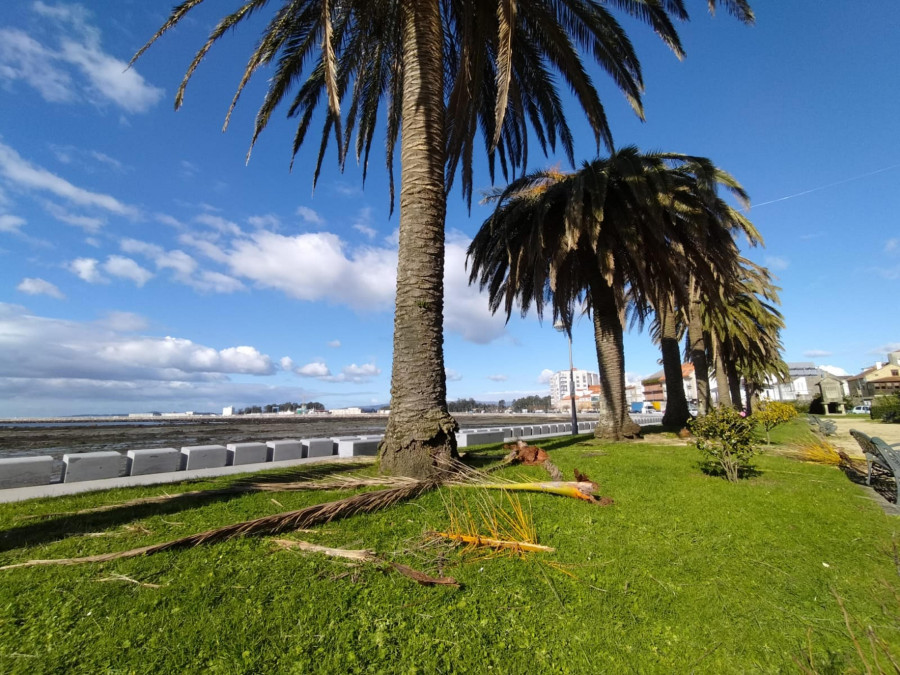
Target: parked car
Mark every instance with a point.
(861, 410)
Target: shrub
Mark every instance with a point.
(886, 408)
(802, 407)
(725, 437)
(817, 406)
(773, 413)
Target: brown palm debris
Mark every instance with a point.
(365, 555)
(366, 502)
(529, 455)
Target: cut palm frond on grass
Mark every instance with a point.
(576, 490)
(499, 527)
(366, 556)
(337, 483)
(367, 502)
(820, 451)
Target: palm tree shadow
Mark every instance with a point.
(60, 526)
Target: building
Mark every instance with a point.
(561, 397)
(655, 387)
(227, 411)
(878, 380)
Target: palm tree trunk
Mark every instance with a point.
(419, 438)
(697, 349)
(614, 422)
(734, 384)
(677, 414)
(721, 377)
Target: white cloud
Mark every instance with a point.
(352, 373)
(309, 216)
(777, 263)
(886, 348)
(497, 378)
(37, 347)
(36, 286)
(267, 222)
(834, 370)
(184, 268)
(286, 363)
(544, 377)
(77, 68)
(891, 245)
(218, 223)
(465, 307)
(315, 266)
(23, 174)
(24, 58)
(816, 353)
(314, 369)
(363, 223)
(89, 224)
(126, 268)
(123, 322)
(10, 223)
(355, 373)
(87, 269)
(452, 375)
(334, 344)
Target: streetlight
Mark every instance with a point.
(560, 326)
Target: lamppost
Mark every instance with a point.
(560, 326)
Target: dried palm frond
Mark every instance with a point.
(367, 502)
(365, 555)
(583, 490)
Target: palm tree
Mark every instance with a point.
(621, 230)
(747, 333)
(443, 69)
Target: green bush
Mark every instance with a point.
(886, 408)
(802, 407)
(725, 437)
(772, 413)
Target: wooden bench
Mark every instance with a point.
(879, 453)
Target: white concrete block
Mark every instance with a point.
(354, 447)
(507, 432)
(286, 449)
(92, 466)
(25, 471)
(203, 456)
(246, 453)
(467, 440)
(317, 447)
(517, 432)
(526, 431)
(545, 429)
(152, 460)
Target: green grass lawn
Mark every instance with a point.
(684, 573)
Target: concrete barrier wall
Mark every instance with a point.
(25, 471)
(17, 472)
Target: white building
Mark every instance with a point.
(560, 396)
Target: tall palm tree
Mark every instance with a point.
(747, 333)
(621, 229)
(444, 69)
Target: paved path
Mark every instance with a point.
(889, 433)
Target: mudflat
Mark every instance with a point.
(57, 438)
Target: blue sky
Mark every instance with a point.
(145, 266)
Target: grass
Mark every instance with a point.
(685, 572)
